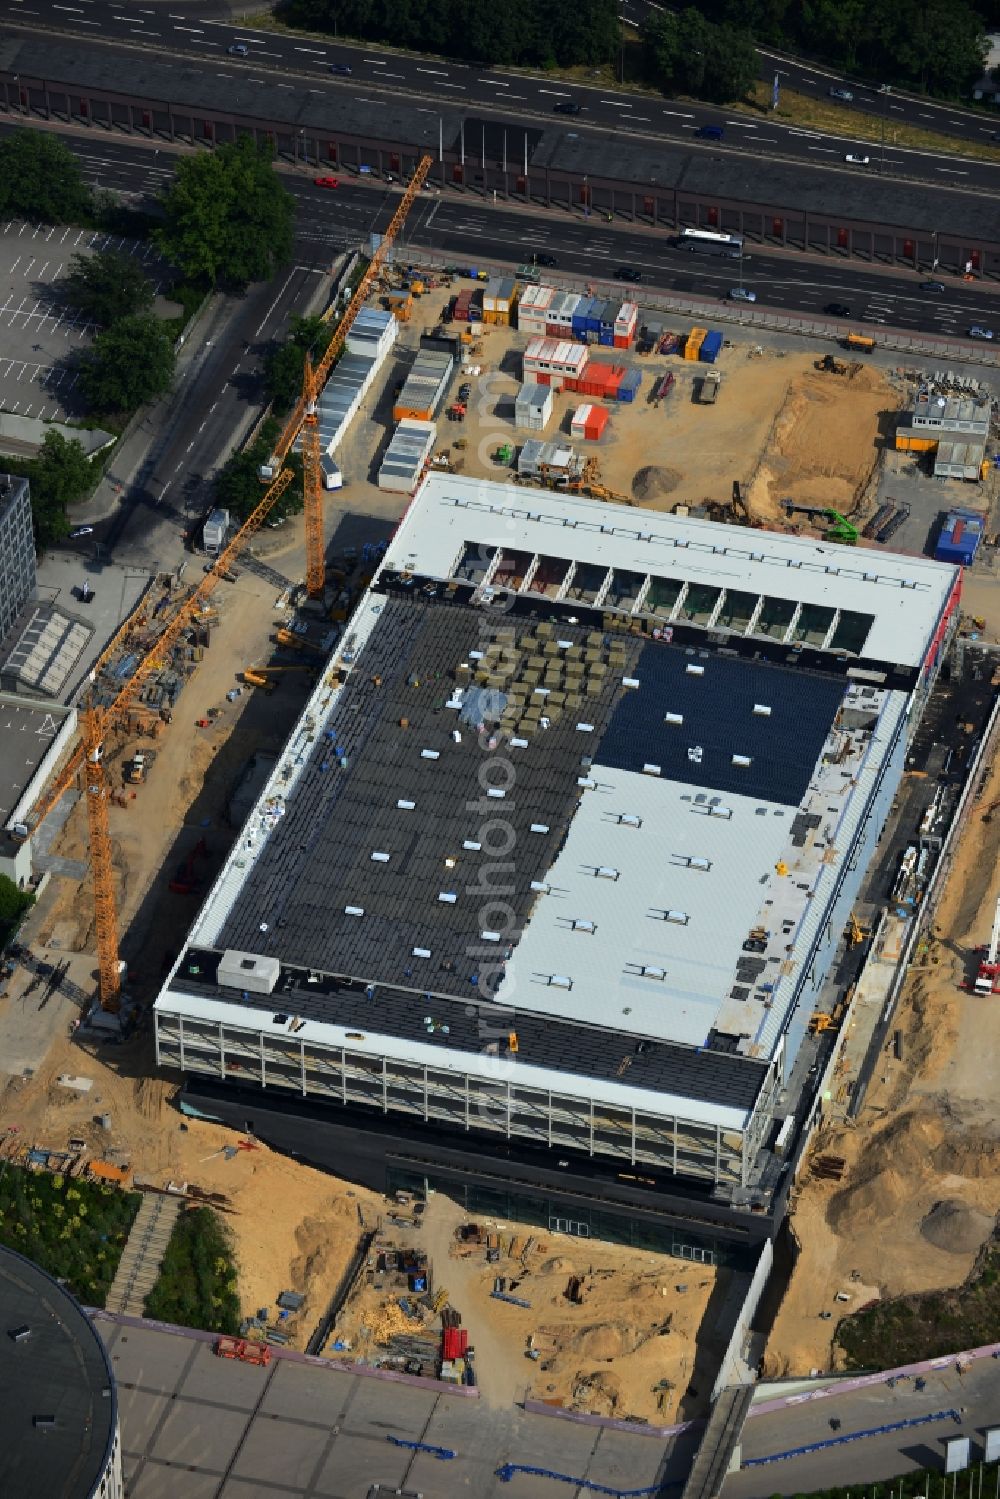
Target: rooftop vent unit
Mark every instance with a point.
(694, 671)
(741, 760)
(695, 754)
(762, 710)
(585, 728)
(542, 887)
(490, 936)
(676, 918)
(472, 846)
(587, 782)
(448, 896)
(519, 743)
(421, 952)
(404, 805)
(427, 754)
(629, 820)
(583, 926)
(673, 718)
(559, 981)
(605, 872)
(379, 858)
(645, 971)
(724, 812)
(630, 681)
(649, 769)
(248, 971)
(497, 792)
(354, 910)
(539, 827)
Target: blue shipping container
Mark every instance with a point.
(631, 381)
(581, 317)
(606, 338)
(960, 537)
(711, 344)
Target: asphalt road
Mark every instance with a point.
(217, 395)
(199, 30)
(469, 229)
(861, 1459)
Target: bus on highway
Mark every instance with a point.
(710, 242)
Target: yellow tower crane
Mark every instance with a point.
(98, 719)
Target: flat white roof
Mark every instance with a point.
(904, 596)
(642, 921)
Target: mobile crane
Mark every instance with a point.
(839, 529)
(988, 976)
(98, 719)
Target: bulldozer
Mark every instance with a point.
(830, 366)
(838, 528)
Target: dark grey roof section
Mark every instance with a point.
(717, 708)
(624, 158)
(320, 860)
(54, 1366)
(709, 1075)
(192, 85)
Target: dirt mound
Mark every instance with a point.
(606, 1340)
(953, 1226)
(557, 1266)
(654, 480)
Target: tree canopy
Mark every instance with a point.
(40, 179)
(936, 47)
(537, 33)
(228, 217)
(238, 488)
(284, 362)
(59, 476)
(690, 55)
(128, 364)
(13, 904)
(107, 286)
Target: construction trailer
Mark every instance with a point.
(425, 386)
(533, 407)
(588, 422)
(708, 389)
(961, 460)
(408, 452)
(961, 537)
(215, 531)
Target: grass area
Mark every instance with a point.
(922, 1481)
(197, 1282)
(826, 115)
(910, 1328)
(75, 1230)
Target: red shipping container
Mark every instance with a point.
(454, 1342)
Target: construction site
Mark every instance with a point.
(727, 597)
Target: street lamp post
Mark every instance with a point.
(884, 89)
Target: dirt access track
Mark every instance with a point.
(921, 1191)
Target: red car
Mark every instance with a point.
(327, 181)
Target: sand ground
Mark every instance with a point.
(928, 1137)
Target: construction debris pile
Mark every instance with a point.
(401, 1321)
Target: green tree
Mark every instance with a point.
(40, 178)
(129, 363)
(284, 363)
(60, 475)
(13, 904)
(238, 487)
(107, 286)
(228, 217)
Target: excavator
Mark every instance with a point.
(838, 528)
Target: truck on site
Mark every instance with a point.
(708, 390)
(987, 979)
(214, 531)
(838, 527)
(243, 1350)
(861, 341)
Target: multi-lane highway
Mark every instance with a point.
(473, 231)
(275, 60)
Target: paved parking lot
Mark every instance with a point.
(197, 1425)
(38, 332)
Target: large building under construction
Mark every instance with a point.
(554, 869)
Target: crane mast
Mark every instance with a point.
(97, 720)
